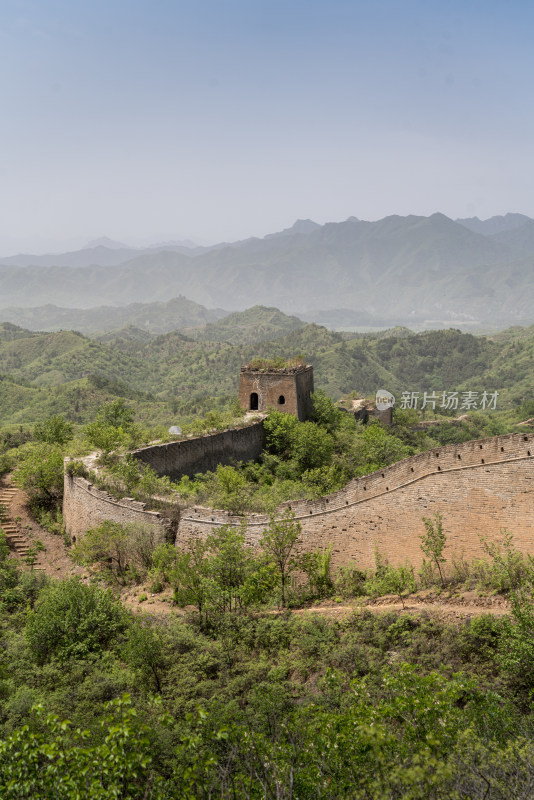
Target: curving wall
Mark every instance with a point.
(85, 506)
(479, 487)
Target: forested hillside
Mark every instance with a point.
(228, 686)
(172, 373)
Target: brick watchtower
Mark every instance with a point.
(263, 386)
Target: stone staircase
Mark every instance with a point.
(15, 538)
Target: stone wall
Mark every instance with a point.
(203, 453)
(479, 487)
(85, 506)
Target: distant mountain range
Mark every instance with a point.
(152, 318)
(396, 270)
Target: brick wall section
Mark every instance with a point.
(85, 506)
(203, 453)
(479, 487)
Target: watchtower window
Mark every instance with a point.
(254, 401)
(281, 400)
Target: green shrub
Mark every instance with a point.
(40, 473)
(55, 430)
(76, 469)
(390, 580)
(349, 581)
(316, 567)
(71, 620)
(6, 464)
(123, 553)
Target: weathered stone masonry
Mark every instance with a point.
(85, 506)
(288, 389)
(203, 453)
(479, 487)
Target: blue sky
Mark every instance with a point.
(219, 119)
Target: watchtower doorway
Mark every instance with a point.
(254, 401)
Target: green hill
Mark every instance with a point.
(183, 376)
(257, 324)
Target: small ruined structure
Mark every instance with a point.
(363, 410)
(285, 386)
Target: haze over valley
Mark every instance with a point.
(397, 270)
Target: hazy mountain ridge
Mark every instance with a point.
(397, 268)
(495, 225)
(158, 317)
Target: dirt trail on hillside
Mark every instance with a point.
(54, 560)
(468, 604)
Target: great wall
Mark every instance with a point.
(480, 487)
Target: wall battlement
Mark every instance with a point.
(479, 487)
(85, 506)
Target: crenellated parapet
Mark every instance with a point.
(480, 487)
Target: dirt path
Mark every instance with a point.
(54, 560)
(464, 606)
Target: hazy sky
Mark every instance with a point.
(220, 119)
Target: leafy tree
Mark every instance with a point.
(311, 446)
(40, 473)
(122, 551)
(433, 541)
(376, 447)
(230, 489)
(145, 652)
(107, 545)
(71, 620)
(230, 565)
(316, 565)
(508, 569)
(117, 414)
(326, 413)
(104, 436)
(324, 480)
(220, 575)
(55, 430)
(190, 578)
(279, 432)
(56, 763)
(110, 426)
(163, 560)
(278, 543)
